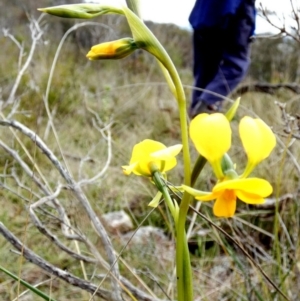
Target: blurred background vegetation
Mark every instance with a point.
(132, 97)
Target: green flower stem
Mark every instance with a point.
(152, 45)
(167, 78)
(201, 161)
(183, 262)
(162, 187)
(181, 99)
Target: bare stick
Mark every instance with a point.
(267, 88)
(101, 173)
(36, 34)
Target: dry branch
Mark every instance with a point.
(267, 88)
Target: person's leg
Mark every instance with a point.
(235, 58)
(231, 72)
(207, 56)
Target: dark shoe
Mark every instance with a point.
(202, 107)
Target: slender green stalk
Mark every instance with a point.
(183, 264)
(26, 284)
(164, 58)
(162, 187)
(201, 161)
(167, 78)
(142, 33)
(181, 247)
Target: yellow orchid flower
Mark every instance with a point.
(258, 141)
(113, 50)
(250, 191)
(149, 156)
(211, 135)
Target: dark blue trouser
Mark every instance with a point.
(221, 55)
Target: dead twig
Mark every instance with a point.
(267, 88)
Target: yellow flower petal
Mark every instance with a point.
(141, 154)
(257, 138)
(207, 197)
(128, 169)
(168, 165)
(144, 149)
(211, 135)
(149, 155)
(155, 201)
(167, 153)
(249, 198)
(259, 187)
(225, 204)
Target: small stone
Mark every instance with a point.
(147, 234)
(117, 221)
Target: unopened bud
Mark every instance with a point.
(112, 50)
(228, 167)
(79, 11)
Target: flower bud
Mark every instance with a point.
(79, 11)
(112, 50)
